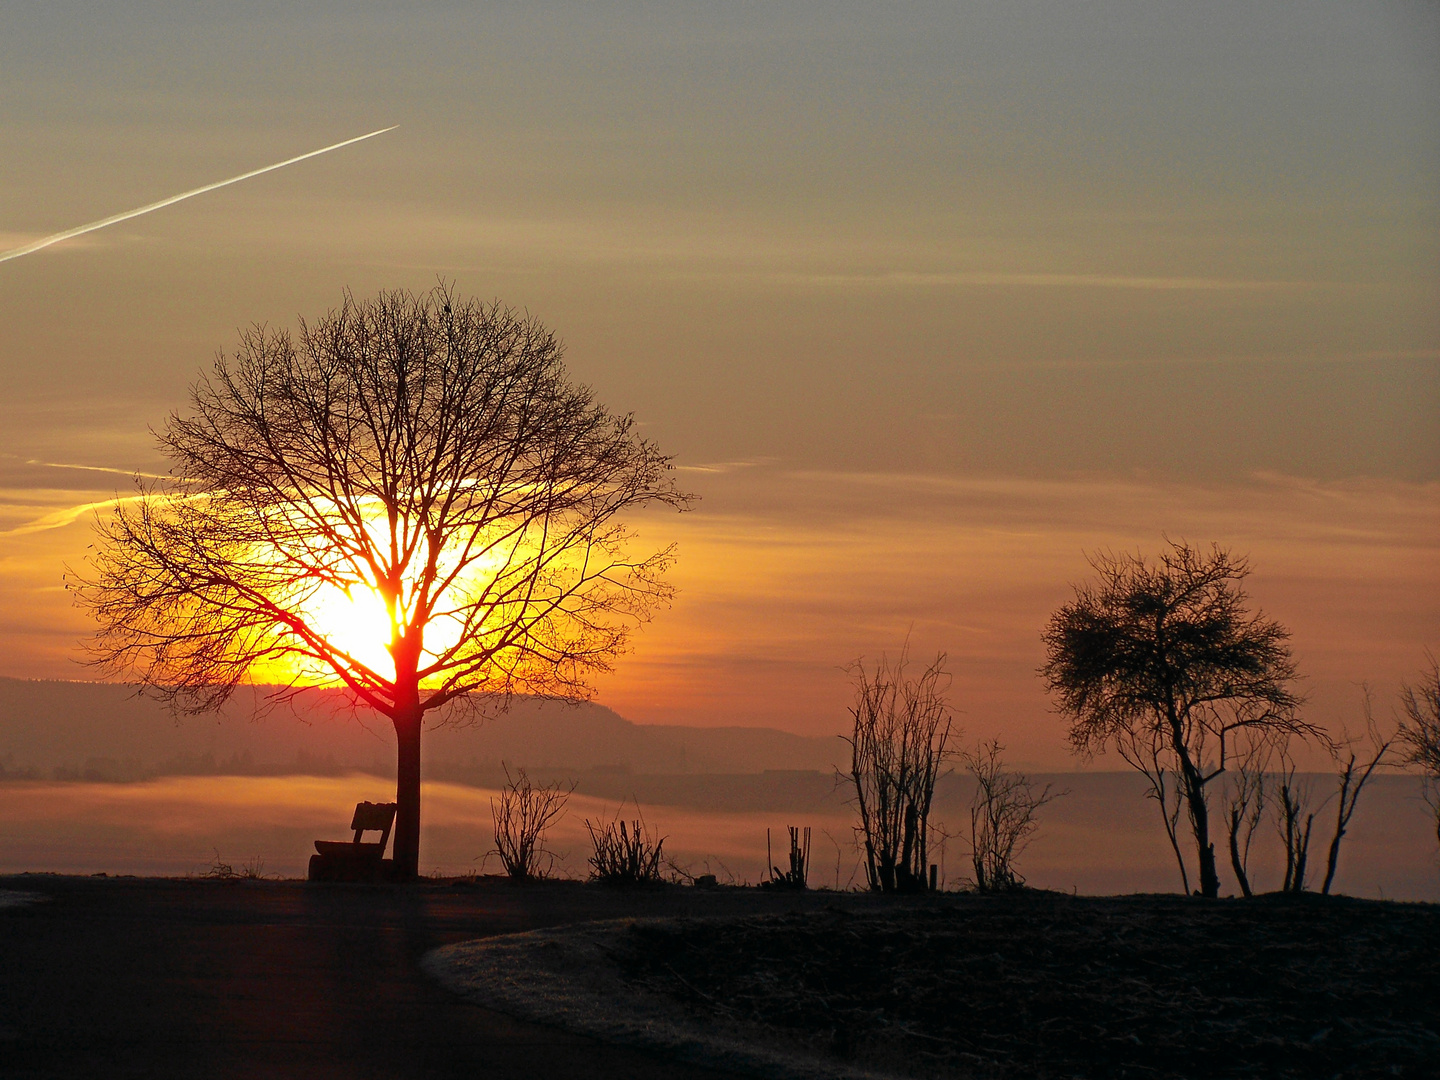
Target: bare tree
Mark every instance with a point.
(1144, 750)
(1420, 732)
(1294, 820)
(1165, 662)
(522, 815)
(424, 452)
(1246, 800)
(1354, 774)
(898, 750)
(1002, 817)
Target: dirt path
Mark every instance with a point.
(155, 978)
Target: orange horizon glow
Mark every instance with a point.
(785, 577)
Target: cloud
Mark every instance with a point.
(1047, 281)
(57, 519)
(18, 473)
(115, 219)
(719, 467)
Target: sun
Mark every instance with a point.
(352, 618)
(356, 622)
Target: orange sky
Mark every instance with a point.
(927, 301)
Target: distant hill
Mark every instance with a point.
(104, 731)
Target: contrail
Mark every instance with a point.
(26, 249)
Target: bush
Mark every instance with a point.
(522, 814)
(1002, 817)
(897, 753)
(626, 853)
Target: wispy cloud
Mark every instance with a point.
(66, 515)
(1046, 281)
(723, 466)
(106, 469)
(115, 219)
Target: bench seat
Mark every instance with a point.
(356, 860)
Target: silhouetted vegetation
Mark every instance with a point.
(624, 853)
(521, 816)
(1293, 799)
(1420, 732)
(1165, 663)
(252, 869)
(1294, 820)
(898, 750)
(798, 876)
(1002, 817)
(1354, 773)
(427, 450)
(1246, 800)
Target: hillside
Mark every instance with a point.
(105, 731)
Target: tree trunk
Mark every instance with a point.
(1194, 785)
(1332, 861)
(1236, 862)
(1303, 856)
(1342, 818)
(1200, 817)
(407, 795)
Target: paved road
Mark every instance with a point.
(156, 978)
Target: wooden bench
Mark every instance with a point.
(356, 860)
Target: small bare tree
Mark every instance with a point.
(1246, 801)
(1002, 817)
(898, 750)
(1354, 774)
(1420, 732)
(1293, 820)
(1164, 661)
(522, 815)
(1143, 749)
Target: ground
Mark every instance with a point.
(166, 978)
(1046, 985)
(182, 978)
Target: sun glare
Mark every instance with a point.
(354, 619)
(356, 622)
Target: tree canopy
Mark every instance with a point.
(421, 457)
(1165, 662)
(1420, 731)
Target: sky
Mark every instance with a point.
(928, 301)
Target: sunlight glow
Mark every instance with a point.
(355, 621)
(352, 616)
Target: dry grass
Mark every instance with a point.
(252, 869)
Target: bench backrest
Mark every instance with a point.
(374, 816)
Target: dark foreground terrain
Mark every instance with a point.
(192, 978)
(1046, 985)
(136, 977)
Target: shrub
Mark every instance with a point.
(1002, 817)
(625, 853)
(522, 814)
